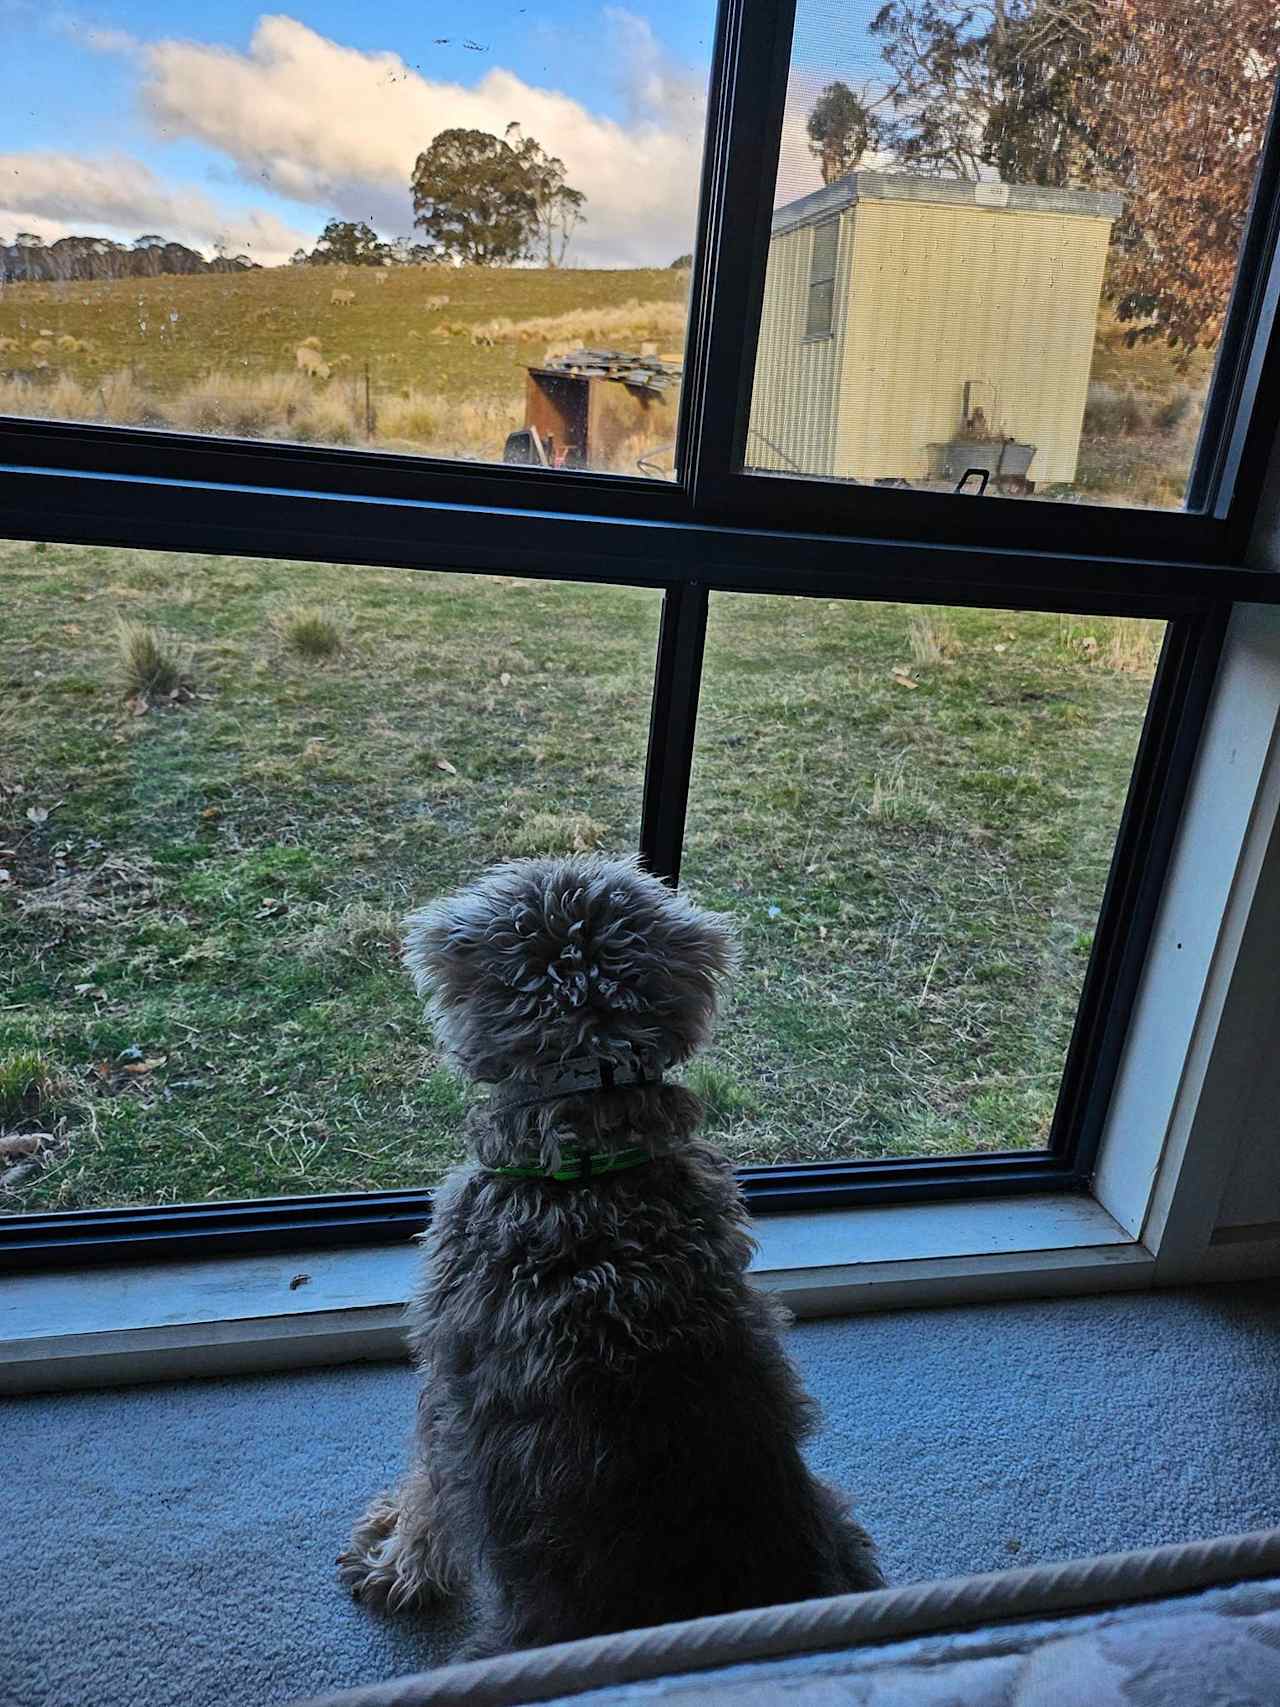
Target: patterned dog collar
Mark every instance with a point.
(582, 1165)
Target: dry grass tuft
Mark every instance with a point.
(28, 1083)
(1134, 646)
(628, 321)
(314, 631)
(931, 638)
(152, 665)
(554, 833)
(361, 932)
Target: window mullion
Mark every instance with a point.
(677, 681)
(744, 137)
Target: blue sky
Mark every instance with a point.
(255, 126)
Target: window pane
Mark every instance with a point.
(1040, 211)
(407, 230)
(222, 784)
(910, 814)
(821, 307)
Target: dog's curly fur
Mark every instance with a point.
(609, 1431)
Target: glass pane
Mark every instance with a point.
(410, 230)
(910, 813)
(222, 785)
(1040, 211)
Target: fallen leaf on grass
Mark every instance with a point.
(6, 876)
(37, 814)
(904, 679)
(272, 909)
(149, 1065)
(14, 1177)
(505, 678)
(444, 765)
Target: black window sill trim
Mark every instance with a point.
(157, 513)
(84, 1238)
(37, 459)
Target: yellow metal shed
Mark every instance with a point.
(901, 313)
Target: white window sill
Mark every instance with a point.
(160, 1321)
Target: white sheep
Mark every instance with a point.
(311, 362)
(342, 298)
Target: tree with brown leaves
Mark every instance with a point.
(1175, 121)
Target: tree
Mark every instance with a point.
(483, 201)
(991, 86)
(1176, 119)
(345, 243)
(557, 207)
(841, 129)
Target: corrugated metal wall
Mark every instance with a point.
(940, 295)
(794, 401)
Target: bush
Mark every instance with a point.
(152, 665)
(313, 631)
(27, 1083)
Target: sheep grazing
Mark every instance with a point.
(431, 303)
(311, 362)
(312, 343)
(342, 298)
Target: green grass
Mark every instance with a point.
(218, 353)
(199, 926)
(433, 360)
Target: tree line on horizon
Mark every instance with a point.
(29, 260)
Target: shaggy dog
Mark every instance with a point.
(609, 1431)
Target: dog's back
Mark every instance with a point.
(613, 1399)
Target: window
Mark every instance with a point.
(1039, 247)
(910, 811)
(409, 240)
(851, 620)
(822, 279)
(223, 785)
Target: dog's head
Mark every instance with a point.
(544, 962)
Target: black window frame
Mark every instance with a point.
(717, 529)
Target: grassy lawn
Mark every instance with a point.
(908, 813)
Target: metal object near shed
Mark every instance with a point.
(596, 409)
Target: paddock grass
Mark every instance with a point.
(908, 813)
(432, 360)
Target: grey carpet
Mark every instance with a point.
(175, 1544)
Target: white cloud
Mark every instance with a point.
(341, 129)
(54, 195)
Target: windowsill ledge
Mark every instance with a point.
(240, 1314)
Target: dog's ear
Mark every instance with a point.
(546, 960)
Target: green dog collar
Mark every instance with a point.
(586, 1165)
